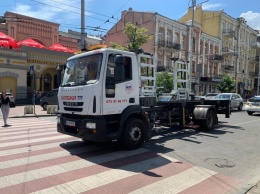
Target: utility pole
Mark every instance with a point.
(82, 37)
(191, 44)
(258, 75)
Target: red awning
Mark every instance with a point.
(31, 42)
(59, 47)
(7, 41)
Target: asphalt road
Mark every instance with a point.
(231, 149)
(226, 157)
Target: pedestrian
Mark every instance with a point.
(5, 107)
(38, 95)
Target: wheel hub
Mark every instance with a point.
(135, 134)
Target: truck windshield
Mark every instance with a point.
(82, 71)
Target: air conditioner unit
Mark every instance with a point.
(51, 109)
(28, 110)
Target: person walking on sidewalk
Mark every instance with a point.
(5, 107)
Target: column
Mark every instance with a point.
(37, 82)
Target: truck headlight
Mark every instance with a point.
(91, 125)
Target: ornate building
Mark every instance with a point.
(171, 39)
(15, 64)
(238, 45)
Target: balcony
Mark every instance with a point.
(252, 59)
(228, 68)
(226, 51)
(169, 45)
(211, 78)
(216, 78)
(228, 33)
(215, 58)
(253, 74)
(255, 44)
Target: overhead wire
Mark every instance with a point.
(96, 28)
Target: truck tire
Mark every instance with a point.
(209, 123)
(133, 134)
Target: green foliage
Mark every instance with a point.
(136, 36)
(117, 46)
(227, 84)
(165, 81)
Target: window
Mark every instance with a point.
(193, 44)
(175, 38)
(111, 66)
(168, 38)
(160, 37)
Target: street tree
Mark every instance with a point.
(227, 84)
(164, 81)
(136, 38)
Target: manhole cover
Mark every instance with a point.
(219, 162)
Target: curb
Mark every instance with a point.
(24, 116)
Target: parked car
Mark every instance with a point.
(253, 105)
(11, 97)
(209, 96)
(236, 99)
(49, 99)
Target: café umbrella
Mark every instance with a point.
(59, 47)
(30, 42)
(7, 41)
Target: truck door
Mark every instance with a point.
(121, 93)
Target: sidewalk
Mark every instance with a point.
(18, 111)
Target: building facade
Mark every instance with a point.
(171, 39)
(15, 64)
(238, 45)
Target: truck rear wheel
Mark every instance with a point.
(209, 123)
(133, 134)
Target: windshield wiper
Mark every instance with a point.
(82, 83)
(67, 84)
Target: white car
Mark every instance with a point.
(236, 101)
(253, 105)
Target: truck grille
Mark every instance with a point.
(73, 109)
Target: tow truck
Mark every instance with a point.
(110, 95)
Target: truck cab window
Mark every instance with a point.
(128, 68)
(110, 69)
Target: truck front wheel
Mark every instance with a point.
(133, 134)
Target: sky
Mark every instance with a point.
(101, 15)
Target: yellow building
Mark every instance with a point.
(238, 42)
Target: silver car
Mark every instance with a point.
(236, 100)
(50, 99)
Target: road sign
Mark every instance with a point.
(243, 84)
(31, 69)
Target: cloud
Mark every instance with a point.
(253, 19)
(208, 6)
(51, 10)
